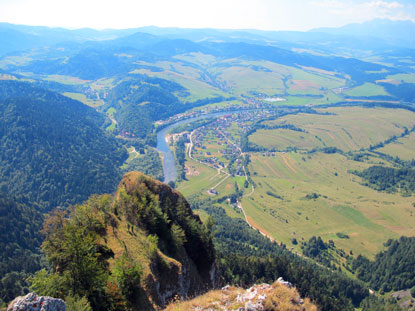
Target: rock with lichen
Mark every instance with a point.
(33, 302)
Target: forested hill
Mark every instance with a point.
(393, 269)
(53, 151)
(140, 100)
(135, 251)
(20, 240)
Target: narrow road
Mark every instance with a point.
(213, 177)
(134, 151)
(226, 177)
(112, 119)
(253, 227)
(189, 152)
(251, 193)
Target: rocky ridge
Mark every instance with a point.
(280, 296)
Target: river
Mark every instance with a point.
(169, 164)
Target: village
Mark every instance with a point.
(218, 143)
(247, 103)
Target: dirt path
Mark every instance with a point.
(112, 119)
(211, 178)
(226, 177)
(331, 136)
(251, 193)
(254, 225)
(248, 220)
(372, 101)
(135, 151)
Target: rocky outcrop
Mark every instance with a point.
(33, 302)
(177, 268)
(280, 296)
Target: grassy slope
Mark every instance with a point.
(403, 148)
(349, 129)
(242, 80)
(345, 206)
(186, 76)
(277, 297)
(408, 78)
(367, 216)
(367, 89)
(237, 77)
(83, 99)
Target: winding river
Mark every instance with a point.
(169, 164)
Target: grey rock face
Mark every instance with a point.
(33, 302)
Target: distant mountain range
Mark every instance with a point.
(401, 33)
(378, 34)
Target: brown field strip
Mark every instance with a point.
(287, 164)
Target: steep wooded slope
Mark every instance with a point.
(53, 151)
(136, 250)
(20, 240)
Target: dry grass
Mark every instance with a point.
(213, 300)
(283, 298)
(390, 81)
(303, 85)
(278, 297)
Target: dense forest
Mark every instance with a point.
(189, 127)
(88, 64)
(148, 163)
(20, 241)
(141, 100)
(392, 269)
(53, 151)
(180, 153)
(402, 91)
(389, 179)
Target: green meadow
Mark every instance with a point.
(403, 148)
(83, 99)
(366, 90)
(405, 77)
(340, 204)
(298, 194)
(345, 128)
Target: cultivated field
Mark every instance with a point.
(186, 76)
(403, 148)
(367, 89)
(348, 129)
(281, 139)
(200, 180)
(212, 76)
(408, 78)
(83, 99)
(300, 195)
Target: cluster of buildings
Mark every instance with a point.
(252, 103)
(268, 154)
(126, 134)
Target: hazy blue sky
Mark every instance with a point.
(258, 14)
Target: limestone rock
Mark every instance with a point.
(33, 302)
(281, 295)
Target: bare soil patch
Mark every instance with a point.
(300, 85)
